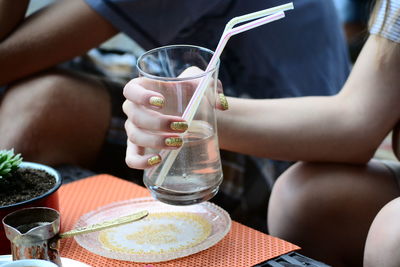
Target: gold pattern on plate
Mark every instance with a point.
(159, 233)
(155, 234)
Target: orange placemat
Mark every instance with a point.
(242, 246)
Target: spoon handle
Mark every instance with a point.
(106, 224)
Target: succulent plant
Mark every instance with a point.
(9, 162)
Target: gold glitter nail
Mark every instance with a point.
(154, 160)
(173, 141)
(223, 101)
(179, 126)
(156, 101)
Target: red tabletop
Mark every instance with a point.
(242, 246)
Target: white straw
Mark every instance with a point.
(256, 15)
(197, 96)
(169, 156)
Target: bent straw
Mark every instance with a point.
(194, 102)
(197, 96)
(256, 15)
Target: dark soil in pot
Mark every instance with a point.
(25, 184)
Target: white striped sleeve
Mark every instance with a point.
(391, 29)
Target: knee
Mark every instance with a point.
(54, 92)
(383, 239)
(302, 194)
(35, 96)
(25, 109)
(41, 110)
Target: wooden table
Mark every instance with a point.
(242, 246)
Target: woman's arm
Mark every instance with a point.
(52, 35)
(11, 14)
(347, 127)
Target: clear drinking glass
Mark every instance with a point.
(196, 172)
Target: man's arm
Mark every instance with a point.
(52, 35)
(11, 14)
(346, 128)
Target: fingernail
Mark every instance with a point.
(223, 101)
(179, 126)
(156, 101)
(174, 141)
(154, 160)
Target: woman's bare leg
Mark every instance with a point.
(383, 242)
(327, 209)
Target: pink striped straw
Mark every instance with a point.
(191, 107)
(169, 156)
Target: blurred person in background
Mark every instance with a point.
(354, 15)
(58, 115)
(339, 204)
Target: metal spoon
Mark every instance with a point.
(105, 225)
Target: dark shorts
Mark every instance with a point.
(112, 156)
(116, 131)
(2, 90)
(394, 167)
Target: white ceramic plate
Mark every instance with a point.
(169, 232)
(66, 262)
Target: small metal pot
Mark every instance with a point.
(33, 233)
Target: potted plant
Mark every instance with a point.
(24, 184)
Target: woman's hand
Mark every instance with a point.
(147, 127)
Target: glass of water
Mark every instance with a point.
(195, 174)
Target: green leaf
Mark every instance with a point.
(9, 162)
